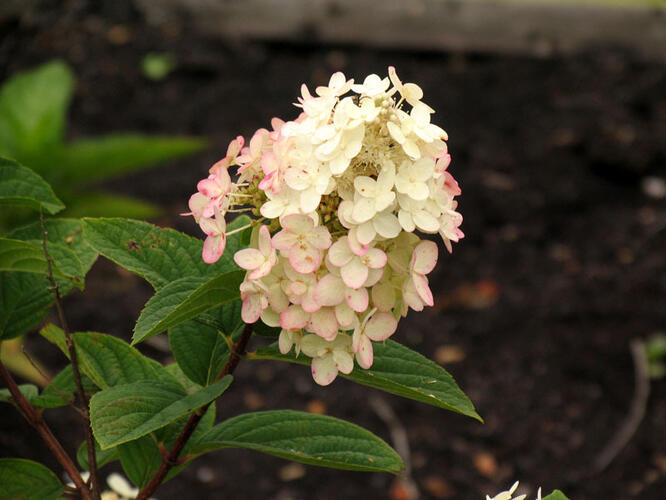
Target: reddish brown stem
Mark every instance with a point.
(83, 401)
(171, 459)
(34, 418)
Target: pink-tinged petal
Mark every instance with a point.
(354, 273)
(425, 221)
(297, 223)
(364, 355)
(196, 204)
(324, 324)
(285, 342)
(265, 241)
(304, 258)
(251, 309)
(344, 361)
(324, 370)
(365, 233)
(320, 238)
(309, 303)
(357, 299)
(263, 270)
(411, 296)
(374, 275)
(339, 253)
(284, 240)
(375, 258)
(424, 257)
(213, 248)
(422, 288)
(213, 226)
(344, 315)
(330, 290)
(405, 219)
(249, 258)
(355, 245)
(294, 318)
(381, 326)
(383, 296)
(364, 210)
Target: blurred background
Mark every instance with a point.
(556, 113)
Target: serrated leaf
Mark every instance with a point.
(401, 371)
(141, 458)
(556, 495)
(110, 361)
(185, 299)
(102, 457)
(158, 255)
(127, 412)
(25, 300)
(304, 437)
(28, 480)
(200, 351)
(104, 157)
(33, 106)
(21, 186)
(66, 233)
(20, 256)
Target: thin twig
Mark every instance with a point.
(34, 418)
(636, 412)
(172, 458)
(83, 402)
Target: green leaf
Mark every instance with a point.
(28, 480)
(60, 233)
(104, 157)
(21, 186)
(25, 300)
(28, 390)
(200, 351)
(126, 412)
(556, 495)
(60, 392)
(398, 370)
(158, 255)
(110, 361)
(185, 299)
(102, 457)
(260, 328)
(141, 458)
(33, 107)
(17, 255)
(304, 437)
(56, 336)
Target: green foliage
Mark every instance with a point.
(33, 111)
(102, 457)
(398, 370)
(30, 391)
(25, 300)
(185, 299)
(28, 480)
(655, 351)
(556, 495)
(306, 438)
(21, 186)
(126, 412)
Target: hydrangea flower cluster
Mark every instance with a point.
(338, 194)
(508, 494)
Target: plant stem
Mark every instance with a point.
(171, 458)
(34, 418)
(83, 402)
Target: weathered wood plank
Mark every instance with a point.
(533, 27)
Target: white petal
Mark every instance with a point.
(425, 221)
(324, 370)
(387, 225)
(381, 326)
(354, 273)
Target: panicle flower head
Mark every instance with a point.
(338, 194)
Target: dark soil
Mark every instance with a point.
(562, 266)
